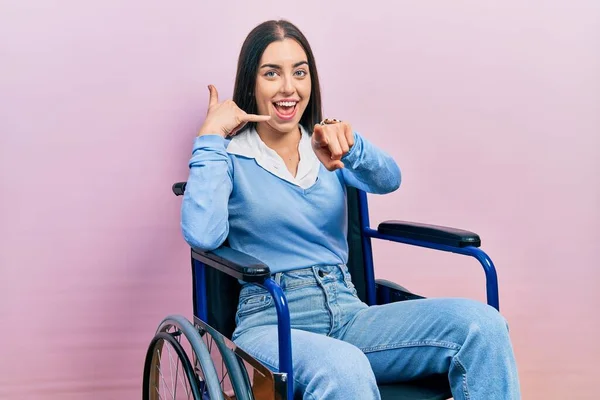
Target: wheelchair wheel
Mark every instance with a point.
(174, 374)
(233, 374)
(168, 372)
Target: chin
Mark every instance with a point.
(284, 126)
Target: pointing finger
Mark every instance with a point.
(256, 118)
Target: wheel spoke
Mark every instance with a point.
(173, 382)
(162, 376)
(176, 378)
(185, 382)
(177, 335)
(158, 391)
(223, 375)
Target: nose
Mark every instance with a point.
(287, 85)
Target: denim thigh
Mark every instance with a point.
(321, 299)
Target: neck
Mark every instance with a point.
(278, 140)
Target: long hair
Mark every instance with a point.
(247, 69)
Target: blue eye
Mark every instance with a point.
(270, 74)
(301, 72)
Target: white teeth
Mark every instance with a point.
(286, 103)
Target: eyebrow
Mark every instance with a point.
(275, 66)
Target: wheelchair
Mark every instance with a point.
(197, 360)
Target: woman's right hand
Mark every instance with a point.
(226, 118)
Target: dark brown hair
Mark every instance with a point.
(247, 69)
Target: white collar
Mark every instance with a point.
(249, 144)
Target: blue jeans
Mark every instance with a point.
(341, 348)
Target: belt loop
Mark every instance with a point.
(277, 277)
(315, 271)
(344, 271)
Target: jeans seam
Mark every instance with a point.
(302, 386)
(304, 390)
(255, 307)
(465, 386)
(327, 298)
(336, 314)
(267, 363)
(434, 343)
(298, 285)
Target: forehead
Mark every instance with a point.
(282, 52)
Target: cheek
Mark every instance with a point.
(305, 91)
(261, 100)
(262, 106)
(263, 95)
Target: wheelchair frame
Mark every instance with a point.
(249, 269)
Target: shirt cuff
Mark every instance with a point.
(209, 142)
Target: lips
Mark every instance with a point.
(285, 109)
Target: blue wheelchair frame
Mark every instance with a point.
(284, 323)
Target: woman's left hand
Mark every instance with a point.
(331, 142)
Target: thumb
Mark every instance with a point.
(338, 165)
(214, 96)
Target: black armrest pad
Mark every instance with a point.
(179, 188)
(390, 292)
(430, 233)
(234, 263)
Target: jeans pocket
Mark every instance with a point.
(254, 303)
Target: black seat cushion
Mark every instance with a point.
(433, 388)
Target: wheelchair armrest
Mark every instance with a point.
(234, 263)
(452, 237)
(179, 188)
(390, 292)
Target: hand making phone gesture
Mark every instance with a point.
(226, 118)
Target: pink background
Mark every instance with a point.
(492, 110)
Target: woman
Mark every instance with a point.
(266, 175)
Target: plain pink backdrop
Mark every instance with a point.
(492, 110)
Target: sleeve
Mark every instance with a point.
(368, 168)
(204, 211)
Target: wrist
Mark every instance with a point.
(210, 131)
